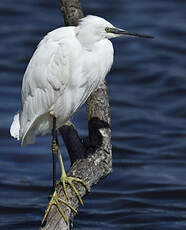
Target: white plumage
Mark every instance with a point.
(68, 64)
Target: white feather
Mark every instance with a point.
(67, 66)
(15, 127)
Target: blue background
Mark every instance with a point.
(147, 89)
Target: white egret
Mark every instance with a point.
(68, 64)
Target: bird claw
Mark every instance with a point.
(69, 180)
(55, 200)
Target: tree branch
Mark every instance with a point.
(98, 161)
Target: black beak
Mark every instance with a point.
(127, 33)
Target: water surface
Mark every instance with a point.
(147, 89)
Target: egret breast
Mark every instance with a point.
(89, 72)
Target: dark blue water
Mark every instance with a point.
(147, 88)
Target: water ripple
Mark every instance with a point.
(147, 88)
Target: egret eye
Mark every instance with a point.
(108, 30)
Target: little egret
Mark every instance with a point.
(68, 64)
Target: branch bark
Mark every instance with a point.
(98, 164)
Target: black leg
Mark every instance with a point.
(54, 152)
(54, 198)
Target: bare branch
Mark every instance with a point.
(98, 164)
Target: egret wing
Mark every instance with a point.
(46, 78)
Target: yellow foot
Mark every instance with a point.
(69, 180)
(55, 200)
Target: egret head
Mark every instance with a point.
(93, 28)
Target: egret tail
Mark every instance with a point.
(15, 127)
